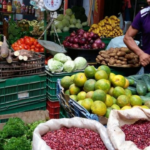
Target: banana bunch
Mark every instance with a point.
(108, 27)
(33, 23)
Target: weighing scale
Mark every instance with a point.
(52, 5)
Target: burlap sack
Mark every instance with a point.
(55, 124)
(120, 118)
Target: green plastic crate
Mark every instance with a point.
(63, 113)
(20, 90)
(106, 41)
(39, 104)
(52, 83)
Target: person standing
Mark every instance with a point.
(140, 23)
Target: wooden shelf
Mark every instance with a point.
(4, 12)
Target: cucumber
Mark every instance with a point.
(141, 88)
(146, 79)
(145, 99)
(147, 95)
(136, 77)
(131, 81)
(133, 90)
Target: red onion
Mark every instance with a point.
(91, 34)
(82, 41)
(75, 40)
(95, 46)
(80, 31)
(95, 36)
(103, 45)
(71, 39)
(67, 44)
(98, 41)
(75, 46)
(92, 41)
(67, 38)
(72, 34)
(89, 39)
(85, 35)
(89, 46)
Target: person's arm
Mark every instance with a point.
(129, 41)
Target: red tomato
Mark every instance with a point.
(35, 42)
(19, 42)
(32, 50)
(20, 47)
(23, 46)
(27, 41)
(42, 50)
(37, 50)
(22, 40)
(38, 45)
(32, 39)
(32, 47)
(46, 62)
(26, 47)
(25, 37)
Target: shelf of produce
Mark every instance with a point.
(12, 12)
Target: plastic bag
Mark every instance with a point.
(118, 42)
(120, 118)
(55, 124)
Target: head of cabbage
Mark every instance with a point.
(69, 66)
(61, 57)
(80, 63)
(55, 66)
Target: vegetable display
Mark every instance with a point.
(100, 91)
(118, 57)
(83, 40)
(108, 27)
(28, 43)
(80, 139)
(64, 22)
(17, 135)
(61, 62)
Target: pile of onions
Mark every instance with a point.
(83, 40)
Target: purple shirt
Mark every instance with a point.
(142, 23)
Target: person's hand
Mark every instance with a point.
(144, 59)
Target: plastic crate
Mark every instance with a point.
(39, 104)
(52, 83)
(74, 109)
(106, 41)
(17, 91)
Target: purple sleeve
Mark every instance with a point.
(137, 22)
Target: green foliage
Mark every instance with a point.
(20, 143)
(15, 127)
(31, 128)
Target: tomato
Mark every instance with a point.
(27, 41)
(35, 42)
(32, 50)
(26, 47)
(32, 39)
(42, 50)
(19, 42)
(23, 46)
(32, 47)
(22, 40)
(38, 45)
(26, 37)
(37, 50)
(46, 62)
(20, 47)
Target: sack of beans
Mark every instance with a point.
(129, 129)
(71, 134)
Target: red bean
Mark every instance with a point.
(73, 139)
(139, 133)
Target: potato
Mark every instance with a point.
(107, 60)
(102, 52)
(112, 61)
(125, 49)
(120, 53)
(118, 61)
(103, 63)
(123, 62)
(97, 60)
(116, 57)
(105, 55)
(100, 58)
(112, 54)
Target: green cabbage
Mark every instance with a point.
(68, 12)
(80, 63)
(60, 17)
(65, 29)
(61, 57)
(69, 58)
(55, 66)
(69, 66)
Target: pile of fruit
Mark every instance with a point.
(118, 57)
(64, 22)
(99, 91)
(28, 43)
(83, 40)
(108, 27)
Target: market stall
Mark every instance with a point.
(61, 77)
